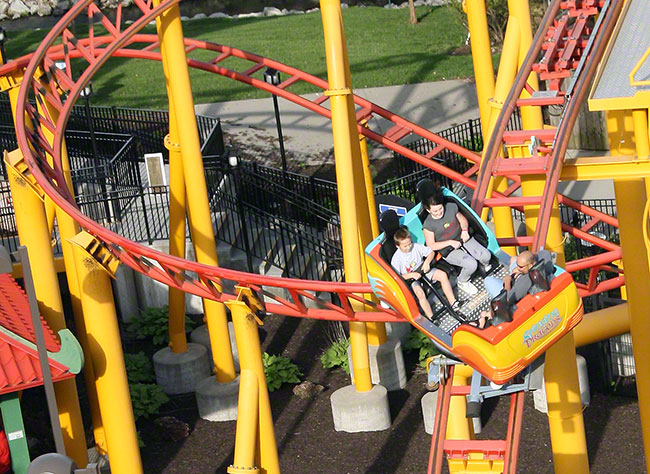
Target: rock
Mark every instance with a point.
(219, 15)
(307, 390)
(272, 11)
(199, 16)
(296, 12)
(44, 9)
(344, 5)
(170, 428)
(17, 9)
(184, 18)
(4, 6)
(419, 3)
(249, 15)
(404, 5)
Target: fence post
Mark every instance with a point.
(471, 133)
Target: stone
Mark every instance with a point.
(249, 15)
(180, 373)
(199, 16)
(44, 9)
(307, 390)
(217, 401)
(344, 5)
(360, 412)
(312, 10)
(218, 15)
(17, 9)
(272, 11)
(170, 428)
(185, 18)
(296, 12)
(4, 6)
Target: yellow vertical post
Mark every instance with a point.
(481, 59)
(640, 118)
(250, 359)
(106, 352)
(68, 228)
(630, 198)
(376, 331)
(177, 206)
(566, 422)
(344, 133)
(32, 226)
(171, 35)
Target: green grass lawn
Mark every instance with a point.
(384, 49)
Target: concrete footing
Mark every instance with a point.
(399, 331)
(539, 395)
(429, 403)
(201, 336)
(180, 373)
(386, 365)
(217, 401)
(356, 412)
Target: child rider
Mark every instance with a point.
(408, 258)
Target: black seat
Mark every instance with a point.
(500, 309)
(538, 278)
(424, 189)
(388, 223)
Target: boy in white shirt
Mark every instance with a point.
(408, 258)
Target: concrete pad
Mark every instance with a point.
(539, 395)
(125, 293)
(386, 365)
(399, 331)
(429, 403)
(201, 336)
(179, 373)
(357, 412)
(217, 401)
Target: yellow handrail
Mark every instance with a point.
(636, 68)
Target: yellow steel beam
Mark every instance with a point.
(591, 168)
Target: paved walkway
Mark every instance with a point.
(249, 125)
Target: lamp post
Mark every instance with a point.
(272, 76)
(86, 94)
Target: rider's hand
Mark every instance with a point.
(455, 243)
(464, 236)
(425, 268)
(415, 275)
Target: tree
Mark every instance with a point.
(414, 19)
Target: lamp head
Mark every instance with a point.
(272, 76)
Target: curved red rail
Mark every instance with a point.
(46, 82)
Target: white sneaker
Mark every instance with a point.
(487, 268)
(468, 287)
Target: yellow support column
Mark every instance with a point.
(250, 360)
(481, 59)
(171, 35)
(630, 200)
(32, 226)
(177, 207)
(95, 266)
(344, 132)
(376, 331)
(68, 228)
(566, 422)
(247, 425)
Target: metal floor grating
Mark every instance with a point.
(471, 309)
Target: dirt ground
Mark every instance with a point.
(307, 442)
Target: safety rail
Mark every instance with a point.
(123, 40)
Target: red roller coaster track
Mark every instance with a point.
(44, 81)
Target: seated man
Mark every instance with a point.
(408, 258)
(518, 283)
(446, 230)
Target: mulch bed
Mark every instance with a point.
(307, 441)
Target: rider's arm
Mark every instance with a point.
(430, 240)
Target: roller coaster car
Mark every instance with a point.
(515, 339)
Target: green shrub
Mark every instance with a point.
(146, 399)
(279, 370)
(154, 323)
(138, 368)
(336, 355)
(419, 341)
